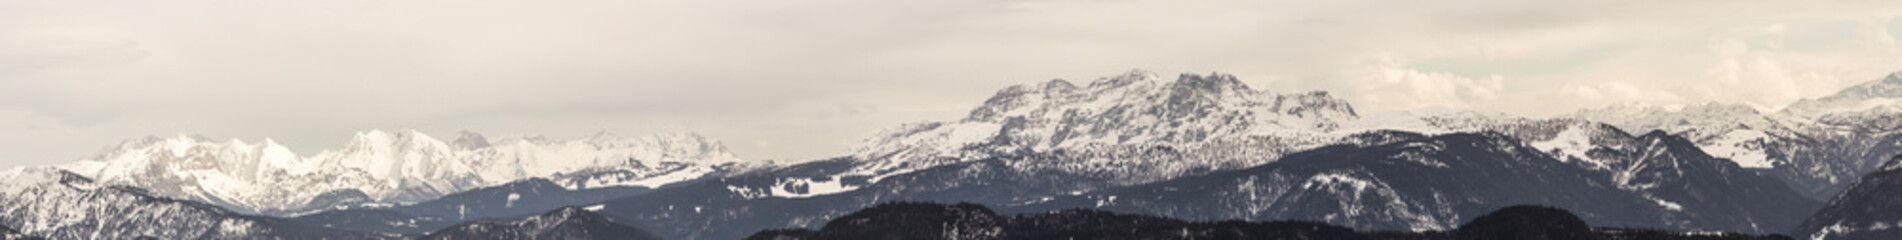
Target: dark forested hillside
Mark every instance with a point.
(910, 220)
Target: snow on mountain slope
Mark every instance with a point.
(1054, 141)
(1819, 154)
(1114, 125)
(58, 204)
(1737, 132)
(394, 167)
(1703, 120)
(1135, 108)
(1880, 92)
(602, 159)
(1132, 128)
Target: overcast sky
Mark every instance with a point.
(805, 79)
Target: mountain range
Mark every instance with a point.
(1194, 147)
(382, 168)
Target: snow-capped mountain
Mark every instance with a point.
(1818, 145)
(57, 204)
(561, 224)
(1737, 132)
(1106, 122)
(1126, 129)
(1886, 91)
(1136, 108)
(394, 167)
(601, 160)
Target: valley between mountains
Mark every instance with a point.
(1158, 157)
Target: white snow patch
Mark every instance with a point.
(512, 198)
(1100, 202)
(235, 227)
(1321, 180)
(784, 187)
(1668, 205)
(962, 134)
(1568, 145)
(1741, 146)
(1832, 229)
(747, 193)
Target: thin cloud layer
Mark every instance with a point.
(800, 80)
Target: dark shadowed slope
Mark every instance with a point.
(971, 221)
(513, 200)
(1870, 209)
(564, 223)
(1388, 180)
(1414, 182)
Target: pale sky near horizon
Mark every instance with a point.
(805, 79)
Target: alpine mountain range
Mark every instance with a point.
(1180, 152)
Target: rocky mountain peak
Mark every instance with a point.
(471, 140)
(1133, 77)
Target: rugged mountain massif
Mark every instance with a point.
(971, 221)
(380, 168)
